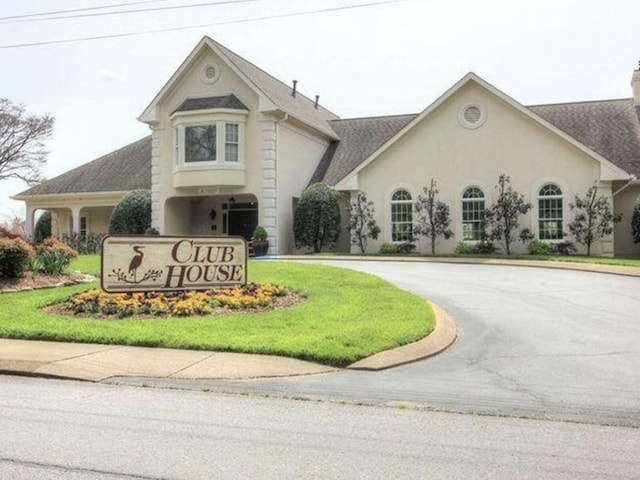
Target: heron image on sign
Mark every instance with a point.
(164, 263)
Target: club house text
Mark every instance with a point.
(163, 263)
(202, 264)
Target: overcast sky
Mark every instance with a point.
(375, 60)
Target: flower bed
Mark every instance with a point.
(253, 296)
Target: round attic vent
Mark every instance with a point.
(472, 116)
(210, 73)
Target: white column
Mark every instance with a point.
(157, 212)
(28, 221)
(75, 215)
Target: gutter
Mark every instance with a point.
(633, 180)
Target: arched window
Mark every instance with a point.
(472, 214)
(401, 216)
(550, 212)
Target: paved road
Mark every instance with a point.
(54, 429)
(531, 341)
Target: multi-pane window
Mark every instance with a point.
(401, 216)
(231, 142)
(550, 213)
(83, 227)
(472, 214)
(200, 143)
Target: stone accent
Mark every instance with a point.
(268, 204)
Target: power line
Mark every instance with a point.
(189, 27)
(124, 12)
(42, 14)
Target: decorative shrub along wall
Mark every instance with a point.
(252, 296)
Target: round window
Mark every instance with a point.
(210, 73)
(472, 116)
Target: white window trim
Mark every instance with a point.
(219, 118)
(469, 200)
(390, 204)
(538, 197)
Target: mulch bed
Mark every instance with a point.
(32, 281)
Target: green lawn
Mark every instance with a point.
(348, 316)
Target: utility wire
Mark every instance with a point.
(42, 14)
(124, 12)
(189, 27)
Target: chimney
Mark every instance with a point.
(635, 85)
(317, 100)
(295, 85)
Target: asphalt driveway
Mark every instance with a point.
(531, 341)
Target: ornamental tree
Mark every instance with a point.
(316, 221)
(132, 214)
(635, 221)
(432, 217)
(362, 223)
(502, 216)
(22, 153)
(42, 229)
(593, 218)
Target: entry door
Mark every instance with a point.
(243, 222)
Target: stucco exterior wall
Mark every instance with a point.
(623, 202)
(190, 85)
(508, 142)
(299, 152)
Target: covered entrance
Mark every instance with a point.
(242, 219)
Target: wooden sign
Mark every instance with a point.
(165, 263)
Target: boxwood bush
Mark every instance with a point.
(132, 214)
(15, 255)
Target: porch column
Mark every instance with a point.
(28, 221)
(75, 215)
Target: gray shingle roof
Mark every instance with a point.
(128, 168)
(609, 127)
(359, 138)
(280, 94)
(228, 101)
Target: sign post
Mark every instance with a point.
(166, 263)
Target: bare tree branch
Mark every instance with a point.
(22, 152)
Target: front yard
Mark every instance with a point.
(347, 316)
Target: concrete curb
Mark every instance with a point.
(442, 336)
(583, 267)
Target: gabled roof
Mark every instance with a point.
(128, 168)
(359, 138)
(277, 92)
(609, 127)
(228, 101)
(608, 169)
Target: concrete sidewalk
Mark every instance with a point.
(94, 362)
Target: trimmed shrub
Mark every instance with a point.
(316, 222)
(54, 256)
(132, 214)
(564, 248)
(151, 231)
(464, 248)
(388, 248)
(259, 234)
(537, 247)
(485, 247)
(42, 229)
(15, 255)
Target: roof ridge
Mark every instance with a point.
(580, 102)
(226, 49)
(375, 116)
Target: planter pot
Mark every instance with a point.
(260, 248)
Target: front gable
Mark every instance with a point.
(500, 124)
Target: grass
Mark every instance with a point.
(348, 316)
